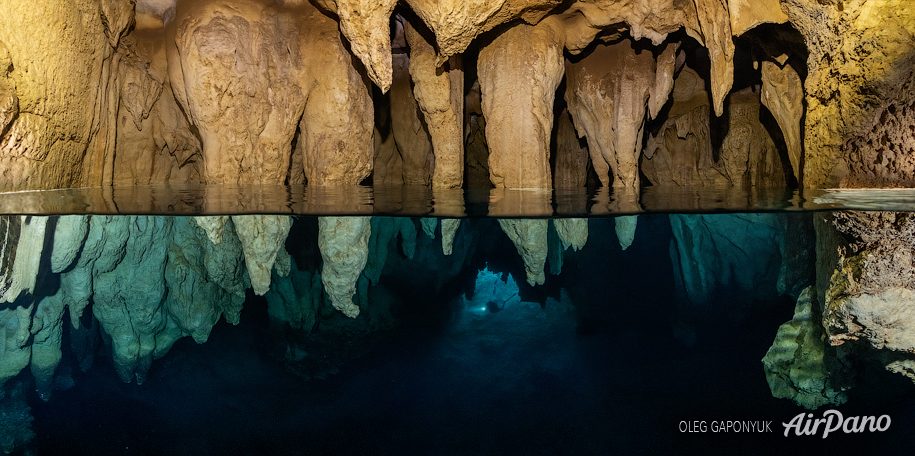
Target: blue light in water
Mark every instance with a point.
(491, 293)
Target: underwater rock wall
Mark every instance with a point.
(864, 280)
(232, 91)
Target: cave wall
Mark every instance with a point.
(255, 91)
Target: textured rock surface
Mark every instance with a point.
(54, 99)
(519, 73)
(439, 91)
(572, 232)
(530, 239)
(861, 72)
(726, 254)
(680, 153)
(748, 156)
(262, 238)
(864, 276)
(783, 95)
(607, 92)
(799, 366)
(22, 242)
(570, 169)
(344, 244)
(278, 68)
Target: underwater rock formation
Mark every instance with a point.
(799, 366)
(344, 244)
(572, 232)
(262, 238)
(21, 245)
(864, 279)
(530, 239)
(728, 253)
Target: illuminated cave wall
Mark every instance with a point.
(96, 92)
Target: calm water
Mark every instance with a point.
(146, 338)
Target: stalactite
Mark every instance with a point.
(519, 72)
(439, 91)
(344, 245)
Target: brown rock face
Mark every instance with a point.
(783, 95)
(680, 153)
(519, 72)
(607, 93)
(861, 72)
(439, 91)
(154, 142)
(571, 166)
(53, 94)
(248, 73)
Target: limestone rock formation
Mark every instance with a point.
(783, 95)
(414, 159)
(748, 156)
(864, 277)
(530, 238)
(449, 231)
(799, 365)
(153, 142)
(519, 72)
(279, 68)
(746, 14)
(625, 230)
(680, 153)
(69, 235)
(262, 238)
(726, 253)
(344, 244)
(572, 232)
(456, 23)
(859, 84)
(439, 91)
(54, 99)
(607, 92)
(570, 170)
(22, 242)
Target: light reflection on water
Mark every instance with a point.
(424, 201)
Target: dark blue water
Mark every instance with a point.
(459, 355)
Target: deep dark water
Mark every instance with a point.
(605, 358)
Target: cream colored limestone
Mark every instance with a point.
(439, 91)
(519, 72)
(607, 92)
(530, 239)
(344, 245)
(783, 95)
